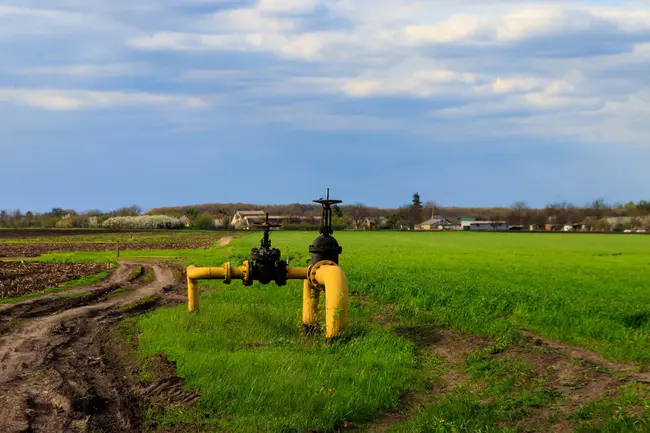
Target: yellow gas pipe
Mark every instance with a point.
(324, 275)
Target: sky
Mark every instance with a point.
(176, 102)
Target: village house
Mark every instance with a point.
(221, 221)
(484, 226)
(436, 223)
(370, 223)
(245, 220)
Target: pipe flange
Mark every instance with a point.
(227, 275)
(246, 271)
(314, 268)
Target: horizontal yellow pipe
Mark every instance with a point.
(214, 273)
(195, 273)
(297, 273)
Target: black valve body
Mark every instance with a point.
(325, 247)
(265, 264)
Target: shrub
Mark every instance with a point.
(204, 222)
(143, 223)
(64, 223)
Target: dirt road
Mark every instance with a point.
(57, 369)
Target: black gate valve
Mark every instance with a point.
(325, 247)
(265, 264)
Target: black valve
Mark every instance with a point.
(325, 247)
(265, 264)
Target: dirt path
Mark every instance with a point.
(55, 374)
(225, 241)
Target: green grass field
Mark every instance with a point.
(244, 353)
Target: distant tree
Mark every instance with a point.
(643, 207)
(133, 210)
(58, 212)
(393, 220)
(337, 212)
(92, 213)
(416, 201)
(192, 213)
(431, 208)
(357, 212)
(518, 213)
(415, 211)
(204, 221)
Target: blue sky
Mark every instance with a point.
(172, 102)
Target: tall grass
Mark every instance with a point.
(254, 371)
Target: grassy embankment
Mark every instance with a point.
(245, 355)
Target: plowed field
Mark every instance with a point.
(35, 250)
(17, 279)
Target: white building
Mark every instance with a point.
(484, 226)
(244, 218)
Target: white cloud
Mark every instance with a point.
(292, 6)
(212, 74)
(456, 28)
(89, 70)
(186, 41)
(247, 20)
(22, 21)
(65, 100)
(510, 85)
(522, 60)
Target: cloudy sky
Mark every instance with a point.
(169, 102)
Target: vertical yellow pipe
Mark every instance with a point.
(192, 291)
(336, 299)
(310, 298)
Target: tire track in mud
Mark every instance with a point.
(57, 372)
(578, 375)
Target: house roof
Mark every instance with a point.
(246, 213)
(435, 222)
(486, 222)
(467, 219)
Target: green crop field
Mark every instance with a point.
(435, 343)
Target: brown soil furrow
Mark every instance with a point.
(35, 250)
(588, 356)
(55, 373)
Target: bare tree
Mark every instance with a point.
(518, 213)
(431, 208)
(92, 212)
(358, 212)
(133, 210)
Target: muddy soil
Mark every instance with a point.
(34, 233)
(18, 278)
(35, 250)
(59, 367)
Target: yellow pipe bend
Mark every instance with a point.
(333, 279)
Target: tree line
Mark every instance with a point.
(353, 216)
